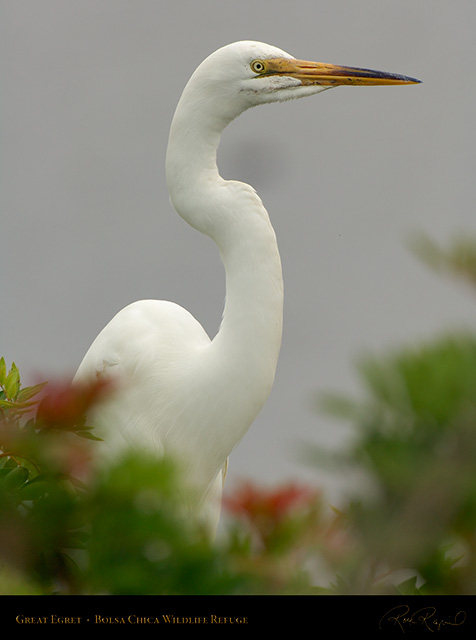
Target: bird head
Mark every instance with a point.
(247, 73)
(227, 83)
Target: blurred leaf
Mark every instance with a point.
(458, 259)
(408, 587)
(14, 478)
(85, 432)
(35, 488)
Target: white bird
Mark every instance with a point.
(178, 392)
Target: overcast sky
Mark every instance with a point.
(89, 88)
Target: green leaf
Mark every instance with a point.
(12, 382)
(17, 406)
(3, 371)
(29, 392)
(77, 540)
(15, 478)
(408, 587)
(35, 488)
(88, 435)
(7, 463)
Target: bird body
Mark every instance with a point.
(180, 393)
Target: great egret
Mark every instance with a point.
(178, 392)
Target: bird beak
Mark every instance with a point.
(330, 74)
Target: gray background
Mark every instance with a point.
(88, 91)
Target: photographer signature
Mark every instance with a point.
(427, 617)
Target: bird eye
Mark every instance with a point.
(257, 66)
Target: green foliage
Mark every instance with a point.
(415, 439)
(69, 526)
(139, 543)
(38, 488)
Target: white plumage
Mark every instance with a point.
(178, 392)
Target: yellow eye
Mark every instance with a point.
(258, 66)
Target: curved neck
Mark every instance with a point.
(245, 350)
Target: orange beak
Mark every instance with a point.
(330, 74)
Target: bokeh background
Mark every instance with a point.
(89, 88)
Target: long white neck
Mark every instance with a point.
(245, 351)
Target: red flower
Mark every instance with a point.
(64, 406)
(273, 504)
